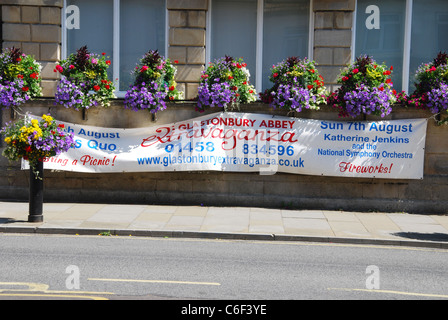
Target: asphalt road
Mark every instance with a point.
(105, 267)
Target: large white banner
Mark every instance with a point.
(245, 142)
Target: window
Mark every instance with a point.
(429, 31)
(263, 32)
(410, 33)
(124, 29)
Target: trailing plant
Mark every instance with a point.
(297, 85)
(19, 78)
(34, 140)
(431, 85)
(225, 82)
(366, 88)
(154, 84)
(84, 83)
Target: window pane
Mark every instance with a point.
(234, 31)
(285, 32)
(384, 44)
(429, 33)
(142, 24)
(96, 20)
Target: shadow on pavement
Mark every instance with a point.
(9, 220)
(423, 236)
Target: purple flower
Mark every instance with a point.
(71, 95)
(365, 100)
(11, 93)
(291, 96)
(438, 98)
(216, 95)
(145, 96)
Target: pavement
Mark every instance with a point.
(236, 223)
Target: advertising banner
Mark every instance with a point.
(246, 142)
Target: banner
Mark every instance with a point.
(245, 142)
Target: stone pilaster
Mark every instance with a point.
(187, 23)
(333, 22)
(36, 29)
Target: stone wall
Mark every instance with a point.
(35, 27)
(187, 22)
(429, 195)
(333, 22)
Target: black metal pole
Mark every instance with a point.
(36, 194)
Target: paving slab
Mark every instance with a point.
(230, 223)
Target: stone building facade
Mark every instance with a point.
(35, 26)
(333, 37)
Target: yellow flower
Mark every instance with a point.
(13, 70)
(8, 140)
(296, 73)
(90, 74)
(48, 119)
(374, 74)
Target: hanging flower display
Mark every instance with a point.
(85, 83)
(154, 84)
(432, 85)
(19, 78)
(297, 86)
(366, 88)
(35, 140)
(225, 82)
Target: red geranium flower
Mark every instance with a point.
(96, 88)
